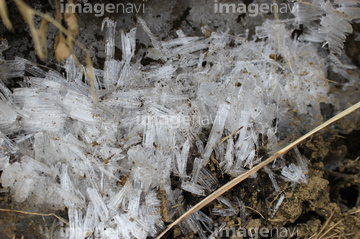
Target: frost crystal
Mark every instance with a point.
(296, 173)
(163, 110)
(334, 22)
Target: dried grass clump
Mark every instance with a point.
(64, 41)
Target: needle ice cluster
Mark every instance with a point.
(333, 23)
(107, 163)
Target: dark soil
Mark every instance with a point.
(307, 207)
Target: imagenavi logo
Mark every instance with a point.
(99, 9)
(253, 8)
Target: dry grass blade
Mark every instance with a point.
(330, 229)
(28, 15)
(224, 139)
(292, 235)
(256, 168)
(62, 50)
(58, 15)
(4, 15)
(71, 19)
(22, 237)
(355, 211)
(66, 44)
(333, 235)
(255, 211)
(326, 223)
(42, 36)
(36, 214)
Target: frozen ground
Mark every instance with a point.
(172, 82)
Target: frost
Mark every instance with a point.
(182, 159)
(4, 162)
(193, 188)
(11, 173)
(229, 211)
(216, 130)
(163, 109)
(273, 180)
(277, 206)
(8, 118)
(296, 173)
(335, 23)
(99, 205)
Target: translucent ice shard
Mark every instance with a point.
(216, 131)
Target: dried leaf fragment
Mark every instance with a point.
(42, 35)
(72, 23)
(71, 19)
(62, 50)
(4, 15)
(28, 15)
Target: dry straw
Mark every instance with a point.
(256, 168)
(39, 36)
(35, 214)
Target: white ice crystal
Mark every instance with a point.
(157, 125)
(296, 173)
(334, 22)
